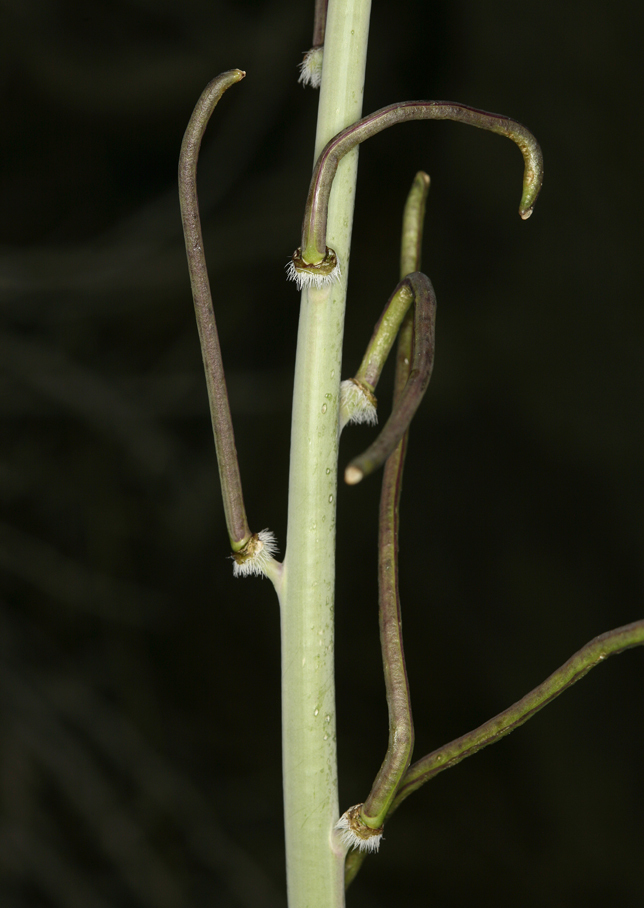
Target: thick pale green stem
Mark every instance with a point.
(315, 862)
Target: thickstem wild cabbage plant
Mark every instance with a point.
(325, 842)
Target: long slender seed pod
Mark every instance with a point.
(401, 727)
(588, 657)
(422, 363)
(238, 529)
(585, 659)
(314, 251)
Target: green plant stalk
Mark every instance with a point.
(314, 857)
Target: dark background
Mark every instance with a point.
(140, 741)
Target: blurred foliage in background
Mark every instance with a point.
(140, 739)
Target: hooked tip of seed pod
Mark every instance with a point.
(353, 475)
(524, 215)
(236, 75)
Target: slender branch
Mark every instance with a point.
(585, 659)
(238, 529)
(409, 399)
(314, 254)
